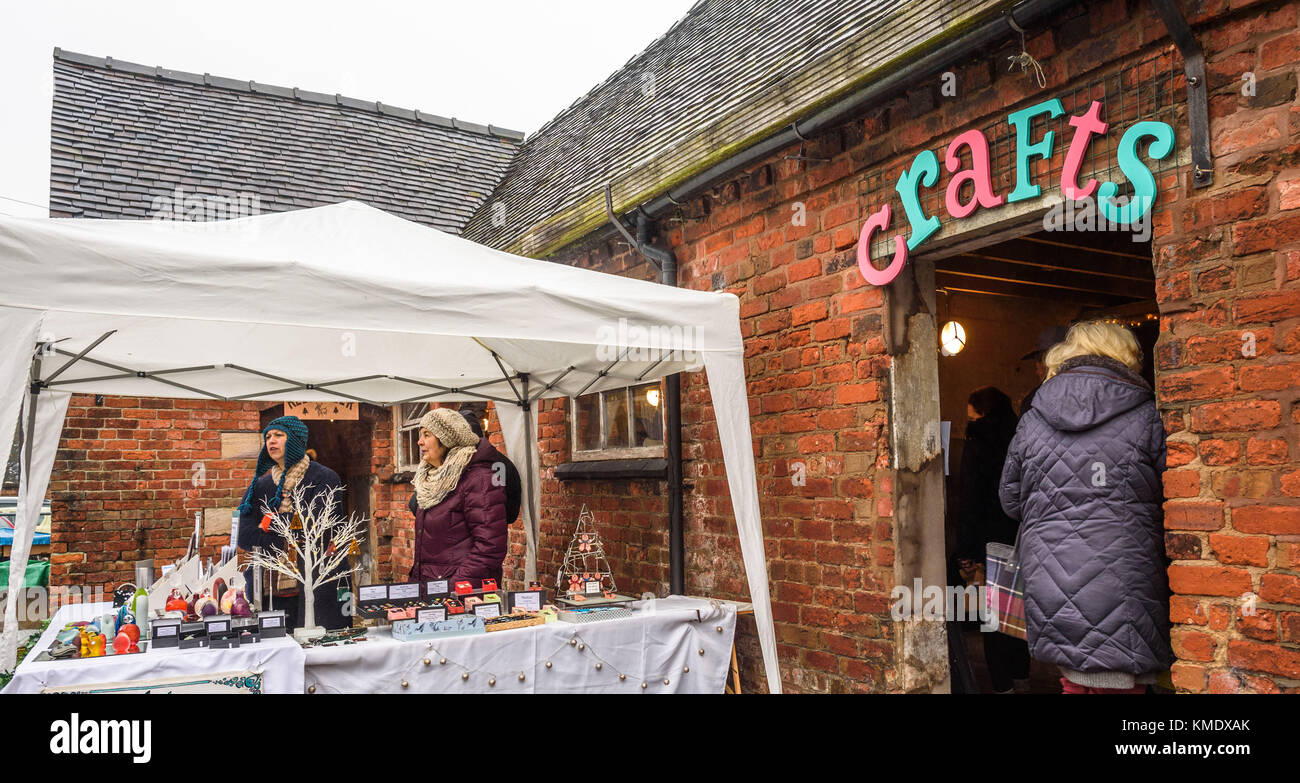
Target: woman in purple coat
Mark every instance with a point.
(1083, 477)
(459, 507)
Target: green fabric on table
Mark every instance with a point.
(38, 574)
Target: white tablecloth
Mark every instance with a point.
(279, 660)
(657, 645)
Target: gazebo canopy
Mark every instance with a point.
(344, 302)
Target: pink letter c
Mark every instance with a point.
(879, 221)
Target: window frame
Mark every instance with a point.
(617, 452)
(402, 425)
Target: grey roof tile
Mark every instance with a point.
(123, 135)
(727, 74)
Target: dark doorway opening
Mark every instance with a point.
(1004, 296)
(347, 448)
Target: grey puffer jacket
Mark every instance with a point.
(1083, 476)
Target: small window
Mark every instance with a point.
(618, 423)
(407, 417)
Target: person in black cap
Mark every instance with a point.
(282, 465)
(1046, 339)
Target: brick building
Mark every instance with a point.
(755, 140)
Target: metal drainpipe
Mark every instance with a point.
(667, 263)
(673, 399)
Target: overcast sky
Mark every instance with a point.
(510, 63)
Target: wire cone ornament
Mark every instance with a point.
(585, 563)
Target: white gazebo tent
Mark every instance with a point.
(344, 302)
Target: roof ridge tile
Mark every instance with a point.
(304, 96)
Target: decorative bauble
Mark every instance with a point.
(219, 590)
(226, 601)
(176, 604)
(206, 606)
(131, 631)
(239, 607)
(121, 643)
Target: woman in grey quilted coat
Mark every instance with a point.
(1083, 477)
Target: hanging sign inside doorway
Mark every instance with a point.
(1157, 136)
(346, 411)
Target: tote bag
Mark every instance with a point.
(1005, 587)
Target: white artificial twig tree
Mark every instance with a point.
(319, 548)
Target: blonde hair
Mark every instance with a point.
(1095, 338)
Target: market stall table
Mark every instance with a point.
(279, 661)
(659, 645)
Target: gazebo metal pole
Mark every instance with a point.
(529, 456)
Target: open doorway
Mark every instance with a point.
(1007, 299)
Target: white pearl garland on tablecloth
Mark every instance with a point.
(576, 641)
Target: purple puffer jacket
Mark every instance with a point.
(464, 536)
(1083, 476)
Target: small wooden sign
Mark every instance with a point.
(347, 411)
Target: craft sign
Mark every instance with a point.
(924, 173)
(316, 411)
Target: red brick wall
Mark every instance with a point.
(1226, 261)
(123, 483)
(1228, 268)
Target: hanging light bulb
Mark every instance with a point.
(952, 338)
(652, 397)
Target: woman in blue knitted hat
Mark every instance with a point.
(282, 465)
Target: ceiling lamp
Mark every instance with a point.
(952, 338)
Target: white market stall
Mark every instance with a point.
(344, 302)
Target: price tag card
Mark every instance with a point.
(218, 627)
(434, 615)
(374, 592)
(592, 588)
(437, 587)
(270, 622)
(529, 601)
(405, 591)
(488, 610)
(165, 630)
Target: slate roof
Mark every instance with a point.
(124, 134)
(724, 76)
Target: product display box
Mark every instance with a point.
(461, 625)
(393, 601)
(247, 628)
(193, 635)
(488, 609)
(527, 600)
(165, 632)
(271, 625)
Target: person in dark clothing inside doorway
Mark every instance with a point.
(1046, 339)
(991, 424)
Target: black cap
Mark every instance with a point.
(1046, 339)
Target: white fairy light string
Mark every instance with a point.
(432, 657)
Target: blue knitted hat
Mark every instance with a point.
(295, 448)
